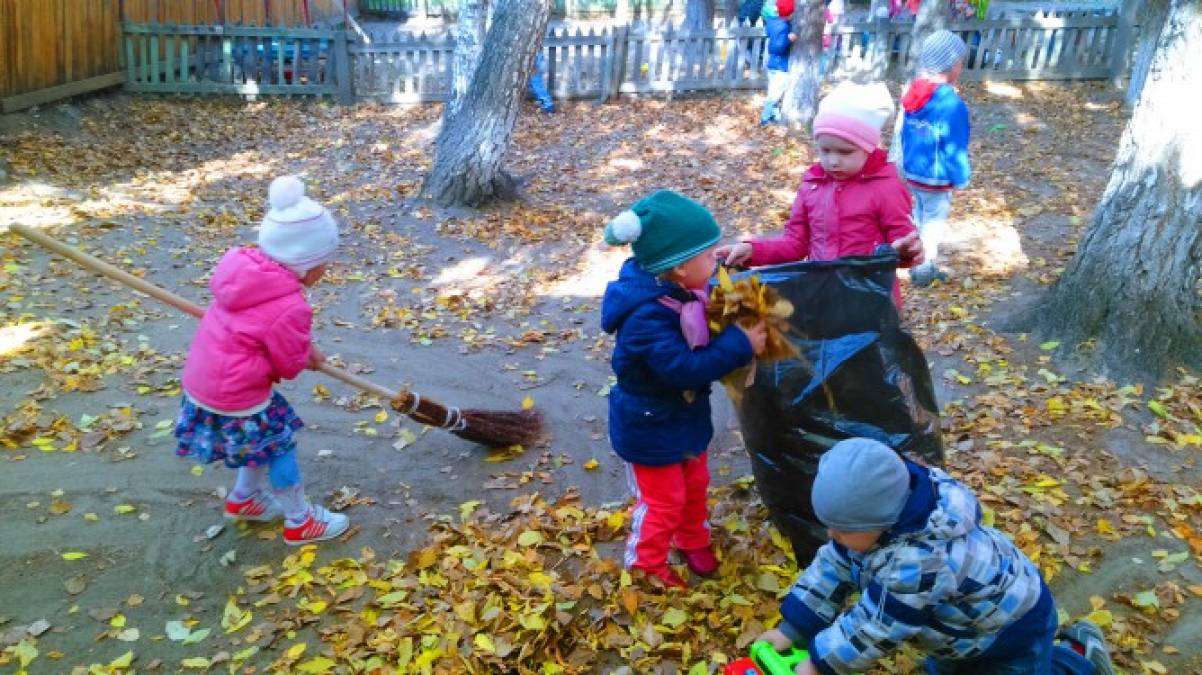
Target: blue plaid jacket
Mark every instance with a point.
(938, 577)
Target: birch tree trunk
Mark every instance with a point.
(801, 97)
(1133, 287)
(469, 39)
(472, 142)
(1152, 19)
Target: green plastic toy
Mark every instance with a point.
(773, 662)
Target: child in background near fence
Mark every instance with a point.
(665, 361)
(780, 41)
(930, 144)
(538, 84)
(254, 334)
(909, 540)
(851, 201)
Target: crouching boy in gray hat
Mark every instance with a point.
(910, 540)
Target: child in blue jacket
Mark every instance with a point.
(932, 137)
(909, 539)
(780, 41)
(664, 359)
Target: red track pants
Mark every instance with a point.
(669, 510)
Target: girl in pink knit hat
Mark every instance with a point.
(852, 200)
(257, 332)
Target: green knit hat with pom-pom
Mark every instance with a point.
(664, 229)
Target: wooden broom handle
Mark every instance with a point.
(163, 295)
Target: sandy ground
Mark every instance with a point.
(147, 563)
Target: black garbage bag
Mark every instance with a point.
(859, 375)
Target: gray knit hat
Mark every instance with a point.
(941, 51)
(861, 485)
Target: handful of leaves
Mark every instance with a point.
(747, 302)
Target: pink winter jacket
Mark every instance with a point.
(834, 219)
(256, 333)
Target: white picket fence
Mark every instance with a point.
(604, 62)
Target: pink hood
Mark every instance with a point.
(254, 334)
(834, 219)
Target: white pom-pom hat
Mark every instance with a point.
(297, 232)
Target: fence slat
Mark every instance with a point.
(401, 66)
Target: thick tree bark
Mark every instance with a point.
(932, 16)
(1133, 287)
(469, 40)
(801, 98)
(472, 143)
(1151, 18)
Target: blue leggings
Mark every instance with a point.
(283, 471)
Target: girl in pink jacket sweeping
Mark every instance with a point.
(852, 200)
(254, 334)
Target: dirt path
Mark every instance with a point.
(484, 310)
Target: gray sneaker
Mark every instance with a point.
(1089, 636)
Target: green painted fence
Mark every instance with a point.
(246, 60)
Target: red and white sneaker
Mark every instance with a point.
(321, 524)
(260, 507)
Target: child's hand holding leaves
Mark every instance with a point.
(757, 335)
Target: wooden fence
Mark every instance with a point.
(50, 49)
(243, 60)
(289, 13)
(402, 67)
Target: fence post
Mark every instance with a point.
(607, 68)
(1120, 55)
(880, 46)
(342, 68)
(621, 53)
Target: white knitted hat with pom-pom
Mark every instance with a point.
(297, 232)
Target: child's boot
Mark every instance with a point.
(319, 524)
(665, 575)
(769, 114)
(700, 560)
(259, 507)
(1087, 639)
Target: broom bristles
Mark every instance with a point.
(494, 428)
(501, 428)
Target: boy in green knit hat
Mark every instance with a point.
(665, 361)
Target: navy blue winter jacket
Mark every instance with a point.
(777, 30)
(659, 411)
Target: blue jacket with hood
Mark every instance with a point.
(934, 135)
(938, 577)
(659, 411)
(777, 31)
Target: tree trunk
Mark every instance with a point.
(932, 16)
(801, 97)
(472, 143)
(699, 14)
(1133, 287)
(469, 39)
(1151, 18)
